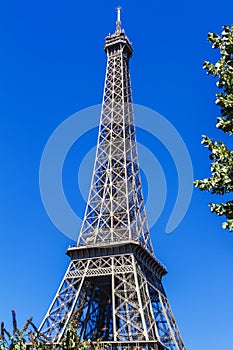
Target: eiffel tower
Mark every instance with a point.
(113, 284)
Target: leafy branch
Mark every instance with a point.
(29, 338)
(221, 181)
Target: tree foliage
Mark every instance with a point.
(221, 181)
(29, 338)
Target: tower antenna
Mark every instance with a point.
(118, 22)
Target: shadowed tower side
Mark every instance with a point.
(113, 284)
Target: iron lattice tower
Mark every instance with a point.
(113, 283)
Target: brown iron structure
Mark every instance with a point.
(113, 284)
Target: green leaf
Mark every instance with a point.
(221, 180)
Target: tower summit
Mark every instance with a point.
(113, 284)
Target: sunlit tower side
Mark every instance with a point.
(113, 284)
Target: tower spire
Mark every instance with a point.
(118, 22)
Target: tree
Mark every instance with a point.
(221, 181)
(29, 338)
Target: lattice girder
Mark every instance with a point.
(113, 286)
(115, 209)
(112, 299)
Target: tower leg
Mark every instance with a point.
(111, 298)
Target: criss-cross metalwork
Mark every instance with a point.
(113, 285)
(115, 210)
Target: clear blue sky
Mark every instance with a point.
(52, 65)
